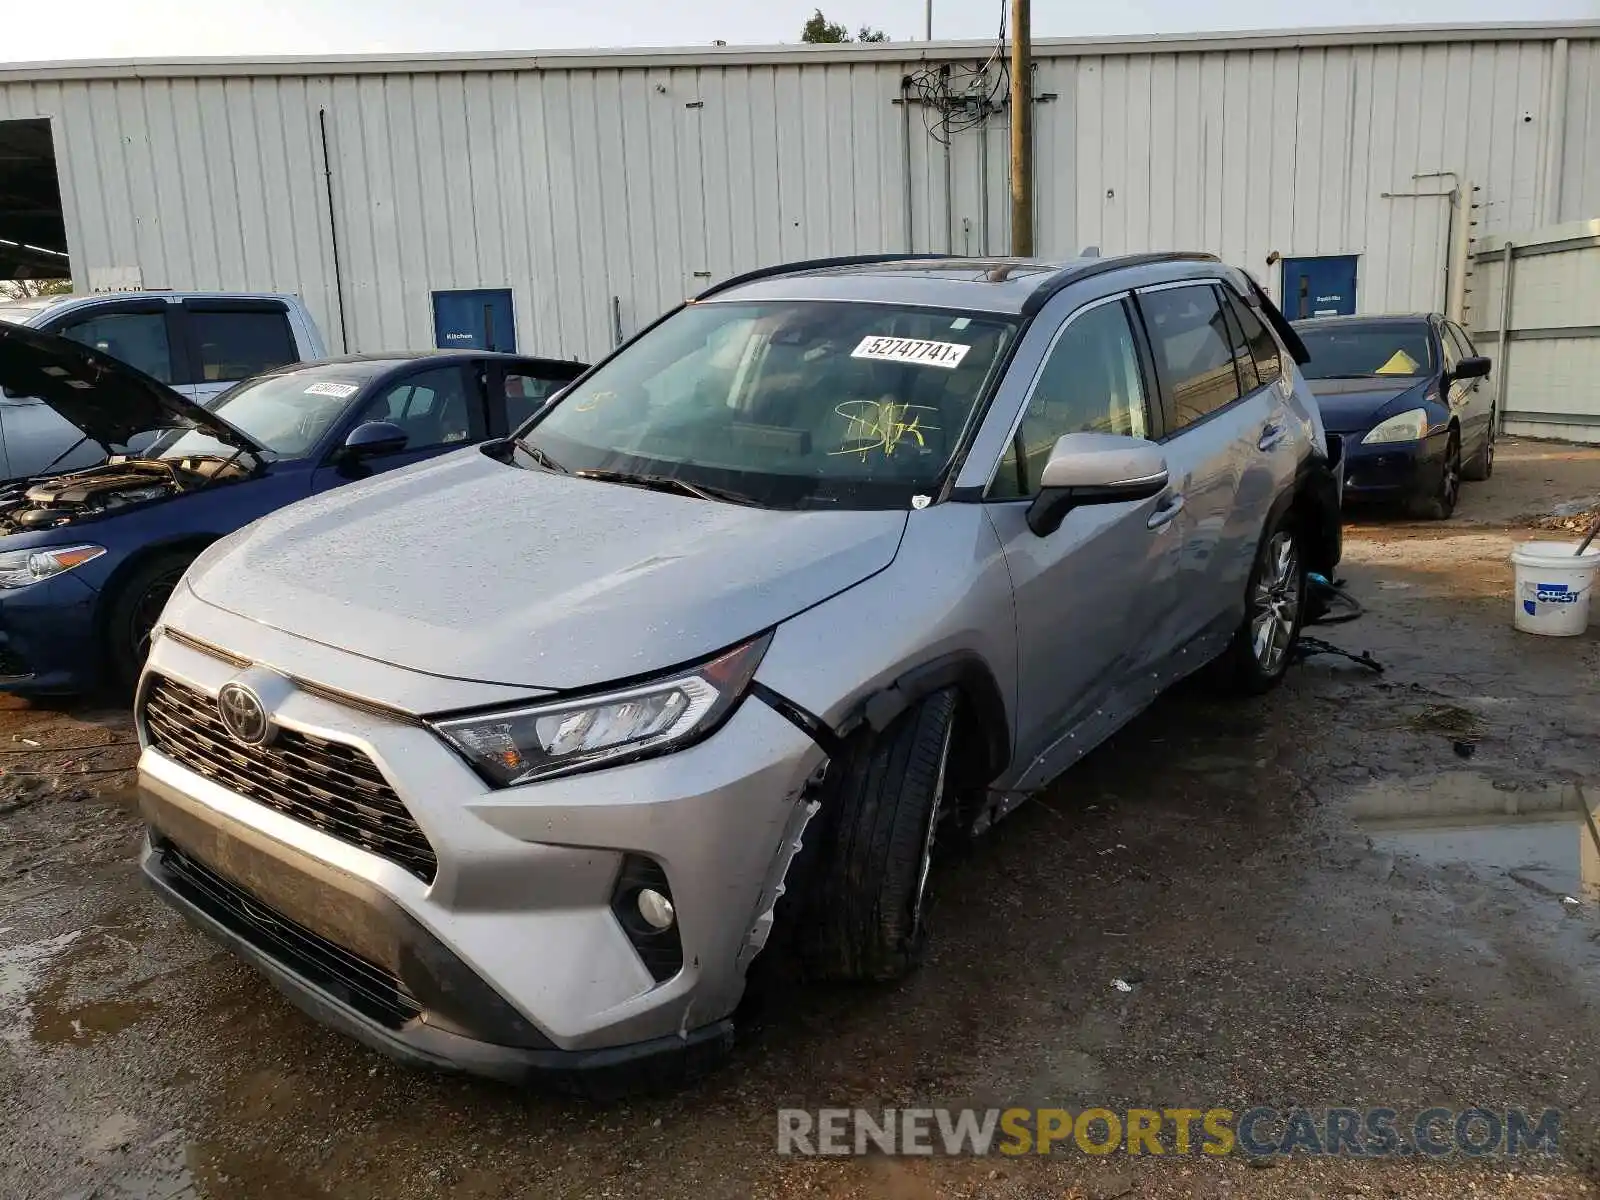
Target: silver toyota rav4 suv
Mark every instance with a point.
(510, 762)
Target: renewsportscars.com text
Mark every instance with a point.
(1255, 1132)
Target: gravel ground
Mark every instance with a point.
(1362, 890)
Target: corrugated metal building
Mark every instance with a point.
(600, 188)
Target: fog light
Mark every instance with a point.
(656, 909)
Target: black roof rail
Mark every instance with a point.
(814, 264)
(1101, 266)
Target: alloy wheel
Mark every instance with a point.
(142, 622)
(1275, 606)
(935, 813)
(1450, 485)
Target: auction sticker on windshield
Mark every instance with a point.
(339, 391)
(911, 350)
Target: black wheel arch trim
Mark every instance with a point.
(802, 719)
(963, 670)
(1316, 494)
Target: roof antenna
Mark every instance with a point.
(1089, 252)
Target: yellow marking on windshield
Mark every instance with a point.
(1400, 363)
(882, 425)
(593, 401)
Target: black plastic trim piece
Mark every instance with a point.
(601, 1074)
(778, 270)
(450, 994)
(806, 722)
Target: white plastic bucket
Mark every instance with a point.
(1553, 586)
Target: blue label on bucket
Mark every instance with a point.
(1554, 593)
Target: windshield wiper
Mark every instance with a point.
(539, 456)
(671, 483)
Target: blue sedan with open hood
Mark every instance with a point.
(1406, 395)
(88, 557)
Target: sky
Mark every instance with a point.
(173, 28)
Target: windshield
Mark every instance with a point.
(1357, 351)
(288, 414)
(789, 404)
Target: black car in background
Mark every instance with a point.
(1406, 393)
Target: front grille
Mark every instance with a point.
(364, 986)
(327, 785)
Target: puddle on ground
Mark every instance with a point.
(1545, 838)
(21, 966)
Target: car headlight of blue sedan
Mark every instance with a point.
(1409, 426)
(20, 568)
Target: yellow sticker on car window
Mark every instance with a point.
(1400, 363)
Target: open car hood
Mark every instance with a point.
(110, 401)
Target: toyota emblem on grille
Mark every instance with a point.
(243, 715)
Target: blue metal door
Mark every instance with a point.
(474, 320)
(1319, 287)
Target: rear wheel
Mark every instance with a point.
(1482, 465)
(134, 612)
(1275, 601)
(869, 894)
(1442, 501)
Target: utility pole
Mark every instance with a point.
(1021, 131)
(929, 21)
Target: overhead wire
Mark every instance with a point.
(955, 97)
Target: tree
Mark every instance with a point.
(26, 289)
(820, 30)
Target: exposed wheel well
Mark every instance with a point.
(983, 730)
(185, 546)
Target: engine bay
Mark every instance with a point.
(63, 499)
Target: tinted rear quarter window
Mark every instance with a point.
(1189, 338)
(236, 344)
(1264, 350)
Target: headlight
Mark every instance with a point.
(563, 736)
(19, 568)
(1409, 426)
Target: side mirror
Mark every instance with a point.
(1095, 468)
(1476, 367)
(372, 438)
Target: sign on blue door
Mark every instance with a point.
(474, 320)
(1319, 287)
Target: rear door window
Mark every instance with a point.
(1264, 351)
(137, 338)
(231, 344)
(1190, 341)
(1243, 361)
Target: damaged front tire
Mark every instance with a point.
(867, 917)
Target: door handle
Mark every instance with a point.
(1270, 437)
(1171, 505)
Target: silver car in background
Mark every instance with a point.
(511, 762)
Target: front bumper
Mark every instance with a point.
(48, 639)
(512, 954)
(1392, 471)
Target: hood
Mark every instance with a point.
(110, 401)
(1356, 405)
(467, 568)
